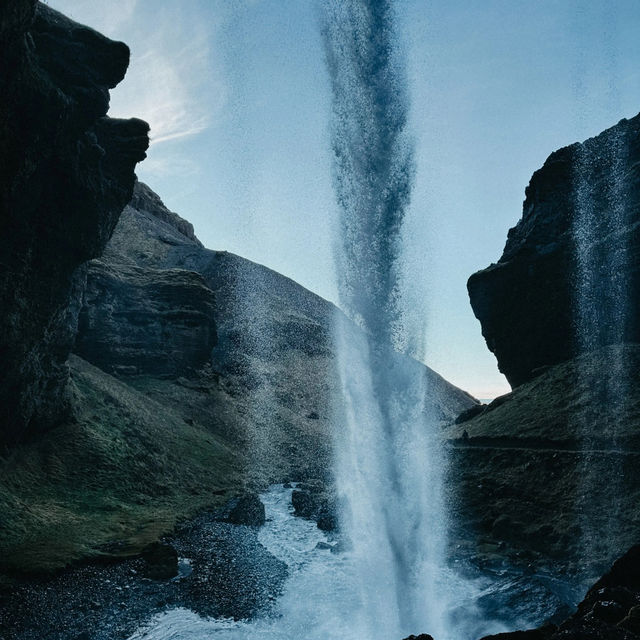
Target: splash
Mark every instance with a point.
(389, 461)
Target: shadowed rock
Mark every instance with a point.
(609, 611)
(248, 510)
(67, 172)
(157, 321)
(161, 561)
(526, 302)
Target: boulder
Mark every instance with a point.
(161, 561)
(248, 510)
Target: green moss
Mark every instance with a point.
(112, 481)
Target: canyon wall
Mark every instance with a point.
(67, 170)
(527, 302)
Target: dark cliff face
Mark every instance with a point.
(610, 610)
(139, 314)
(156, 321)
(526, 303)
(66, 173)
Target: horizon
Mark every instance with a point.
(238, 102)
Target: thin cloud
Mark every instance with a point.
(169, 89)
(100, 16)
(173, 82)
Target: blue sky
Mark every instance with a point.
(238, 100)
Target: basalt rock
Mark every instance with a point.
(609, 611)
(161, 561)
(526, 303)
(66, 173)
(248, 510)
(156, 321)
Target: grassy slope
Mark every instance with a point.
(117, 477)
(586, 397)
(554, 468)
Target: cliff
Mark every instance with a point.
(263, 319)
(67, 172)
(528, 303)
(546, 477)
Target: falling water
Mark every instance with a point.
(389, 463)
(601, 290)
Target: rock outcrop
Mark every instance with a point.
(526, 303)
(609, 611)
(530, 485)
(156, 321)
(66, 173)
(546, 478)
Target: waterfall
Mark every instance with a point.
(601, 303)
(389, 461)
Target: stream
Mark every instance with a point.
(321, 598)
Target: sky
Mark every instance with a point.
(238, 99)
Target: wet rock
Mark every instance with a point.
(631, 622)
(305, 504)
(161, 561)
(248, 510)
(327, 522)
(532, 634)
(342, 546)
(422, 636)
(314, 502)
(609, 611)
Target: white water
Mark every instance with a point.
(390, 463)
(321, 599)
(389, 469)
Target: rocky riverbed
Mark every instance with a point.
(211, 565)
(277, 575)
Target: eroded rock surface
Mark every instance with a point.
(67, 172)
(526, 303)
(156, 321)
(609, 611)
